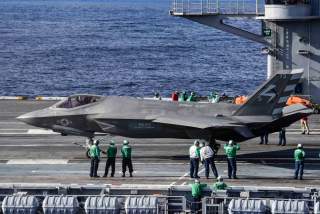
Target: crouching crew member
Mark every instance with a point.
(299, 155)
(111, 161)
(94, 152)
(126, 158)
(231, 152)
(219, 185)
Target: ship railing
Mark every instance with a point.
(207, 7)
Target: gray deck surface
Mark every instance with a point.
(29, 155)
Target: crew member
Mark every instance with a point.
(264, 138)
(126, 158)
(219, 185)
(231, 152)
(196, 192)
(213, 97)
(194, 154)
(175, 96)
(94, 152)
(304, 125)
(207, 155)
(157, 96)
(282, 137)
(299, 155)
(111, 161)
(183, 96)
(192, 97)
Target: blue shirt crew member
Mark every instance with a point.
(94, 152)
(111, 159)
(231, 152)
(194, 153)
(126, 158)
(299, 155)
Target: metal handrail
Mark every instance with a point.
(203, 7)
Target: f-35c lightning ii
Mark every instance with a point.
(265, 111)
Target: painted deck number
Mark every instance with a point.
(267, 32)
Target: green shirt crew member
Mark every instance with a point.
(231, 152)
(196, 192)
(219, 185)
(299, 155)
(111, 160)
(126, 158)
(192, 97)
(182, 96)
(94, 152)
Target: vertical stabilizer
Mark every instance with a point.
(272, 96)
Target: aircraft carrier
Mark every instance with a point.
(43, 172)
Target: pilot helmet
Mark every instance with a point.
(230, 142)
(96, 142)
(125, 142)
(299, 145)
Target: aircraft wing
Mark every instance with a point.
(206, 123)
(197, 122)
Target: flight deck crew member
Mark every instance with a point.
(194, 153)
(282, 137)
(207, 155)
(231, 152)
(94, 152)
(219, 185)
(175, 96)
(183, 96)
(111, 161)
(192, 97)
(126, 158)
(264, 138)
(305, 125)
(299, 155)
(196, 192)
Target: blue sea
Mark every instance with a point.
(119, 47)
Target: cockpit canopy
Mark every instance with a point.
(78, 100)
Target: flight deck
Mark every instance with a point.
(32, 155)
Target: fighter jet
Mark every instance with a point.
(87, 115)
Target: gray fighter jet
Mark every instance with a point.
(87, 115)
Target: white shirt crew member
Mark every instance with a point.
(193, 152)
(206, 152)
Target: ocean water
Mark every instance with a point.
(119, 47)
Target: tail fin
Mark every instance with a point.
(272, 96)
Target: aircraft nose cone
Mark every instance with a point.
(27, 118)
